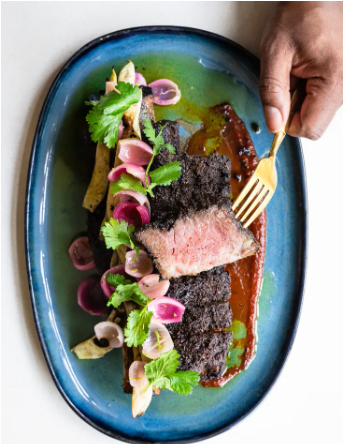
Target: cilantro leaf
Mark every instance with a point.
(169, 147)
(118, 233)
(128, 292)
(137, 330)
(127, 182)
(166, 174)
(162, 373)
(105, 117)
(150, 133)
(181, 382)
(157, 370)
(104, 128)
(117, 279)
(158, 140)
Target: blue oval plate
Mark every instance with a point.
(210, 70)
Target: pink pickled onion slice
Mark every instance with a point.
(167, 310)
(139, 79)
(138, 266)
(134, 151)
(132, 213)
(106, 288)
(137, 374)
(81, 254)
(90, 296)
(110, 86)
(149, 280)
(128, 168)
(165, 92)
(145, 216)
(152, 288)
(128, 195)
(153, 348)
(121, 130)
(110, 331)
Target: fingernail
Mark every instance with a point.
(273, 118)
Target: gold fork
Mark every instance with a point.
(262, 184)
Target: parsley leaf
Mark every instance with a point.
(117, 279)
(127, 182)
(138, 325)
(165, 174)
(118, 233)
(162, 373)
(128, 292)
(105, 117)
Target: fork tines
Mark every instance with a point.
(252, 200)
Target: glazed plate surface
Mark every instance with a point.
(209, 70)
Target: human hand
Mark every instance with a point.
(303, 40)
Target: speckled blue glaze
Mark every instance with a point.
(56, 184)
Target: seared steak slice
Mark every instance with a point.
(198, 242)
(205, 288)
(204, 353)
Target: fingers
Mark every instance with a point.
(276, 65)
(320, 105)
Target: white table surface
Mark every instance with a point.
(305, 405)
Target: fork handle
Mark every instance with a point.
(279, 136)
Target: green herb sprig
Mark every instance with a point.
(118, 233)
(165, 174)
(138, 321)
(105, 116)
(162, 373)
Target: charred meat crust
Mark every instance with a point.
(205, 297)
(204, 353)
(202, 318)
(204, 181)
(205, 288)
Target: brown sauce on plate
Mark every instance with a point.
(225, 133)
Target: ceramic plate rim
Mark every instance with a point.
(91, 45)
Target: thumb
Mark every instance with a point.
(276, 65)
